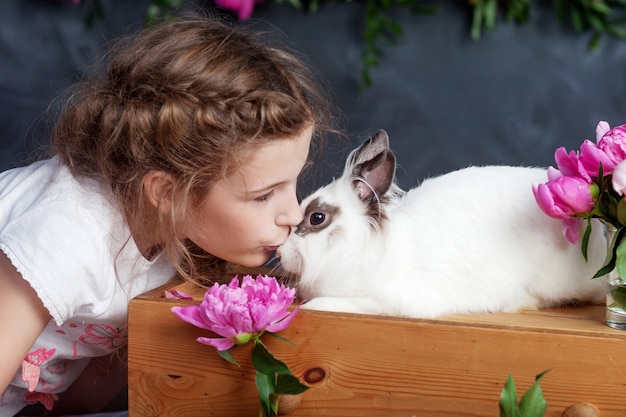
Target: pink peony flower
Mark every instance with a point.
(601, 129)
(239, 313)
(564, 197)
(243, 8)
(177, 295)
(577, 191)
(613, 144)
(570, 165)
(592, 156)
(571, 227)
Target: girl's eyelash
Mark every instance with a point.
(264, 197)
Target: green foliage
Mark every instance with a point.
(273, 378)
(597, 17)
(380, 27)
(532, 404)
(157, 10)
(161, 9)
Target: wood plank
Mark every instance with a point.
(381, 366)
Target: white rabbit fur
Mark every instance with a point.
(470, 241)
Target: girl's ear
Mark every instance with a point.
(158, 187)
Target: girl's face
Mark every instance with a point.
(248, 214)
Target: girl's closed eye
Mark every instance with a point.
(264, 197)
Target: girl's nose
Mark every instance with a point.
(290, 214)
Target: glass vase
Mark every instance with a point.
(616, 301)
(616, 292)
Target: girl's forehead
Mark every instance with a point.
(280, 160)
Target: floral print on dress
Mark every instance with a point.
(41, 397)
(103, 335)
(31, 371)
(31, 366)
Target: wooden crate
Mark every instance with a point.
(358, 365)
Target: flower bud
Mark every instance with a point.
(242, 338)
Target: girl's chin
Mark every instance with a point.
(255, 261)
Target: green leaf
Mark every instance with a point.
(578, 20)
(606, 268)
(477, 19)
(541, 375)
(621, 211)
(161, 9)
(225, 354)
(620, 257)
(395, 28)
(517, 11)
(600, 7)
(585, 242)
(616, 31)
(533, 403)
(508, 398)
(289, 384)
(611, 259)
(597, 23)
(279, 337)
(266, 386)
(491, 7)
(611, 256)
(265, 362)
(594, 42)
(560, 11)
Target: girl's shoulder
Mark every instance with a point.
(47, 188)
(66, 238)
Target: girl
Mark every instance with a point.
(182, 156)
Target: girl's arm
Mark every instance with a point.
(22, 319)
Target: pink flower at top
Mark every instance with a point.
(613, 144)
(592, 156)
(238, 313)
(601, 129)
(243, 8)
(608, 151)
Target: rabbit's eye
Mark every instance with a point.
(317, 218)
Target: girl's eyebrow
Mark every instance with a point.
(307, 163)
(266, 188)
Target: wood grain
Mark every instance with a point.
(358, 365)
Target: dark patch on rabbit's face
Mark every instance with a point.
(317, 216)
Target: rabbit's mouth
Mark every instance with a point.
(290, 259)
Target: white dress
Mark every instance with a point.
(69, 241)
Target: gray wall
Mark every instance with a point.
(446, 101)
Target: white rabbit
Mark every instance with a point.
(470, 241)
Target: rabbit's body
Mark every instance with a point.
(470, 241)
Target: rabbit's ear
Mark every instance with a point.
(373, 146)
(373, 175)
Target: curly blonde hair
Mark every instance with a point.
(190, 97)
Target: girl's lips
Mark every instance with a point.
(271, 248)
